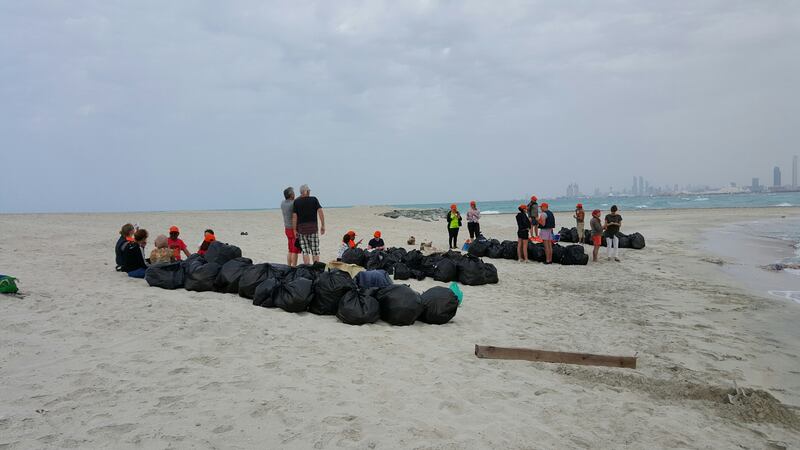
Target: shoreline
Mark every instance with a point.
(745, 263)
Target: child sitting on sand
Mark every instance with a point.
(176, 244)
(125, 236)
(346, 240)
(376, 243)
(162, 253)
(208, 238)
(353, 243)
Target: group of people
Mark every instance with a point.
(130, 249)
(537, 222)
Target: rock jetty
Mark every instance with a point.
(427, 215)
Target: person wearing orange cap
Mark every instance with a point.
(473, 220)
(547, 222)
(597, 233)
(523, 232)
(353, 243)
(579, 216)
(176, 244)
(376, 243)
(453, 219)
(208, 238)
(533, 215)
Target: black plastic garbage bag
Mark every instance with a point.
(358, 307)
(414, 259)
(304, 271)
(165, 275)
(400, 305)
(220, 253)
(264, 293)
(535, 251)
(295, 295)
(379, 260)
(229, 275)
(558, 253)
(495, 251)
(429, 264)
(440, 305)
(490, 274)
(472, 272)
(624, 240)
(373, 279)
(329, 290)
(574, 255)
(355, 256)
(446, 270)
(251, 277)
(637, 241)
(478, 248)
(401, 272)
(418, 274)
(509, 250)
(200, 275)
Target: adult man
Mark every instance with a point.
(287, 208)
(547, 221)
(304, 223)
(613, 224)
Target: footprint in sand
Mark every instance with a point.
(222, 429)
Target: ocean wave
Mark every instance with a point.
(489, 213)
(784, 204)
(789, 295)
(700, 199)
(685, 198)
(641, 206)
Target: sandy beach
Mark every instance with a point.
(92, 359)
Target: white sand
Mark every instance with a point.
(92, 359)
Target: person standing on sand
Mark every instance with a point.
(287, 209)
(613, 224)
(533, 214)
(579, 215)
(453, 219)
(304, 223)
(473, 220)
(523, 232)
(597, 233)
(547, 221)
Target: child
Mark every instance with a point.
(597, 233)
(162, 253)
(579, 216)
(376, 243)
(208, 238)
(176, 244)
(346, 240)
(125, 236)
(353, 243)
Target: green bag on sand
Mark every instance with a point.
(8, 285)
(457, 291)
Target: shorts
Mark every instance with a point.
(292, 238)
(523, 234)
(546, 234)
(597, 239)
(309, 243)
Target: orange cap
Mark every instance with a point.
(545, 205)
(472, 203)
(174, 229)
(533, 198)
(453, 207)
(377, 234)
(596, 213)
(352, 233)
(210, 238)
(523, 206)
(579, 206)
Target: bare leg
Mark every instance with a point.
(524, 243)
(595, 252)
(306, 259)
(548, 251)
(519, 249)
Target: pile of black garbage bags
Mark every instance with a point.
(634, 240)
(570, 255)
(446, 267)
(305, 288)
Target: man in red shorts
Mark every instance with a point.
(287, 207)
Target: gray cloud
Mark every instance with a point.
(188, 105)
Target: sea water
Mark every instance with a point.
(632, 203)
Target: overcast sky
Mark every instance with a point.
(145, 105)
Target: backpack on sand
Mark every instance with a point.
(8, 284)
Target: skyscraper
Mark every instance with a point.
(754, 187)
(635, 190)
(794, 171)
(641, 185)
(776, 176)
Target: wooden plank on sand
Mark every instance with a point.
(526, 354)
